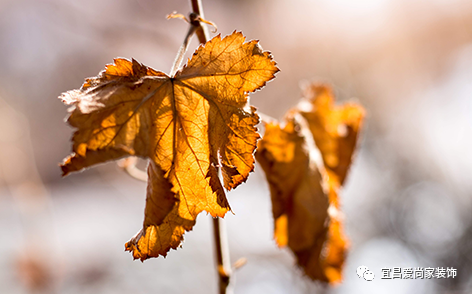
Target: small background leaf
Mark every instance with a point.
(305, 162)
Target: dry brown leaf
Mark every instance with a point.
(304, 188)
(335, 129)
(299, 203)
(187, 125)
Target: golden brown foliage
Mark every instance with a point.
(306, 161)
(188, 125)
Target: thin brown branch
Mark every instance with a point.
(219, 228)
(202, 32)
(222, 256)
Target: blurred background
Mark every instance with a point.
(407, 199)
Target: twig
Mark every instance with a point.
(239, 263)
(202, 32)
(219, 228)
(222, 256)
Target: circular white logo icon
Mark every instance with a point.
(364, 272)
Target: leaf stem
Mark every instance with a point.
(182, 50)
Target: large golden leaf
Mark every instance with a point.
(187, 125)
(304, 188)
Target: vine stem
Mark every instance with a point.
(222, 256)
(223, 262)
